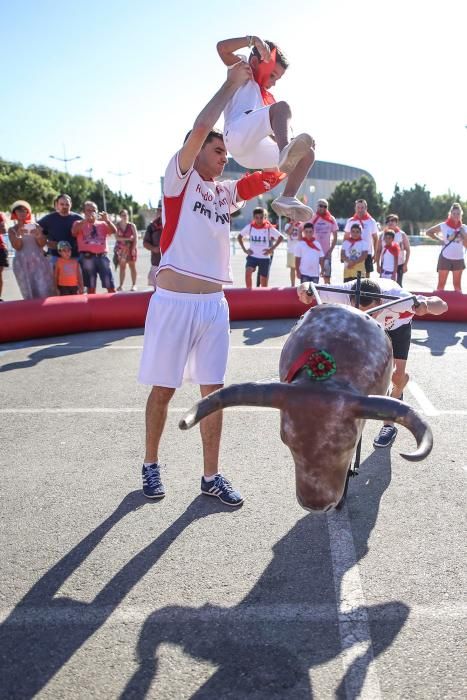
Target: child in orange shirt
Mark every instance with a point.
(68, 277)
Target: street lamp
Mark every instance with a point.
(101, 183)
(65, 160)
(119, 175)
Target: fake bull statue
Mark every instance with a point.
(335, 370)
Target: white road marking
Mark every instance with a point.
(422, 399)
(354, 629)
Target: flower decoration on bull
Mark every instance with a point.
(320, 365)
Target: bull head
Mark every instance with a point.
(320, 475)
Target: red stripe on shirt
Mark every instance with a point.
(172, 209)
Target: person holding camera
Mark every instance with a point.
(91, 236)
(452, 235)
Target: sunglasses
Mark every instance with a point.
(322, 206)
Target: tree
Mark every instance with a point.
(342, 200)
(413, 206)
(21, 184)
(442, 203)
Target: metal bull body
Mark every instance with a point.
(322, 421)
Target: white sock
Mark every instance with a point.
(150, 464)
(210, 478)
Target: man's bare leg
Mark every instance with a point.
(296, 177)
(211, 429)
(156, 416)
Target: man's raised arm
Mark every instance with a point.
(236, 77)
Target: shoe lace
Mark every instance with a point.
(153, 477)
(224, 484)
(387, 429)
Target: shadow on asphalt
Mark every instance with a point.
(257, 654)
(65, 346)
(255, 332)
(441, 336)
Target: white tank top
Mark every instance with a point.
(454, 250)
(247, 98)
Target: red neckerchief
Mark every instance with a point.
(262, 74)
(265, 224)
(361, 218)
(311, 244)
(393, 248)
(453, 224)
(354, 240)
(326, 217)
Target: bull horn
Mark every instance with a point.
(388, 409)
(272, 394)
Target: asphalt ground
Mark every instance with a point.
(107, 595)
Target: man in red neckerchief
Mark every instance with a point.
(369, 231)
(325, 227)
(257, 128)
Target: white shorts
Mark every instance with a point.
(186, 338)
(248, 140)
(152, 276)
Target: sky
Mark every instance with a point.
(380, 85)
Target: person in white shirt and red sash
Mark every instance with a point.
(309, 256)
(396, 321)
(263, 239)
(257, 128)
(369, 231)
(402, 240)
(186, 333)
(326, 228)
(389, 256)
(452, 235)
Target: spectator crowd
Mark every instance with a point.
(65, 253)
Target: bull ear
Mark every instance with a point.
(273, 394)
(388, 409)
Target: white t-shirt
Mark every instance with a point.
(195, 240)
(354, 249)
(390, 318)
(399, 239)
(259, 239)
(293, 230)
(454, 250)
(247, 98)
(369, 227)
(309, 258)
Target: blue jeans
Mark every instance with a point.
(307, 278)
(93, 264)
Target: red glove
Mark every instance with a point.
(251, 185)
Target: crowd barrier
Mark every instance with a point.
(57, 316)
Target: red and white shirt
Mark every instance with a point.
(195, 239)
(369, 227)
(390, 318)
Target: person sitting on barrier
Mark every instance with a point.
(67, 272)
(309, 256)
(91, 235)
(388, 256)
(396, 321)
(452, 235)
(354, 253)
(263, 239)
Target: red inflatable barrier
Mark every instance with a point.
(41, 318)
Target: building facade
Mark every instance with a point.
(321, 181)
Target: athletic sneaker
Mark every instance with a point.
(134, 288)
(223, 489)
(292, 154)
(386, 436)
(152, 484)
(292, 207)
